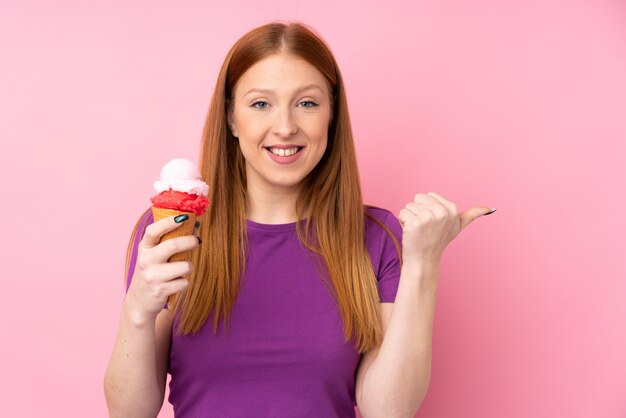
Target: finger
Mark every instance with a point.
(469, 215)
(404, 216)
(426, 210)
(431, 202)
(169, 247)
(177, 269)
(167, 272)
(167, 289)
(450, 206)
(156, 230)
(177, 285)
(425, 198)
(196, 227)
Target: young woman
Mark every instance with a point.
(299, 300)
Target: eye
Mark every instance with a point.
(311, 103)
(259, 102)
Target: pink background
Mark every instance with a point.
(519, 104)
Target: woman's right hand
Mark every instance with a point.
(154, 278)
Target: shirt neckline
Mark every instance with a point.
(291, 226)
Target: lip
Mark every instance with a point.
(284, 146)
(284, 160)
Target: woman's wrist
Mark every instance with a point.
(421, 262)
(422, 270)
(136, 317)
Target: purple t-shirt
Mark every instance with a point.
(284, 354)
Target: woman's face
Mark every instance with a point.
(281, 114)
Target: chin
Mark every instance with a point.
(286, 182)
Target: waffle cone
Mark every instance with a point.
(186, 228)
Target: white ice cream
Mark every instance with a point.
(181, 175)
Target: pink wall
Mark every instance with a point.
(515, 104)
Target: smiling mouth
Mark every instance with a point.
(284, 152)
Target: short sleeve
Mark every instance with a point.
(384, 252)
(145, 220)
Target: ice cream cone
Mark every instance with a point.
(180, 190)
(185, 229)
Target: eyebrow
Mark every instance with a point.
(301, 89)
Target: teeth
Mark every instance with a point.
(283, 152)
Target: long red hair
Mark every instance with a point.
(335, 233)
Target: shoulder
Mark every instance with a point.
(383, 237)
(379, 220)
(148, 217)
(144, 221)
(383, 233)
(139, 231)
(377, 212)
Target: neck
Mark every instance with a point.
(271, 206)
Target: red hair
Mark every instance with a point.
(332, 192)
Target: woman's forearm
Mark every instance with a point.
(398, 378)
(131, 384)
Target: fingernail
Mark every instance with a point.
(199, 240)
(197, 224)
(181, 218)
(491, 211)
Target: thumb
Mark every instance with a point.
(471, 214)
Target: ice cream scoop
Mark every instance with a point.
(180, 188)
(181, 175)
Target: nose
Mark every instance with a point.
(285, 126)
